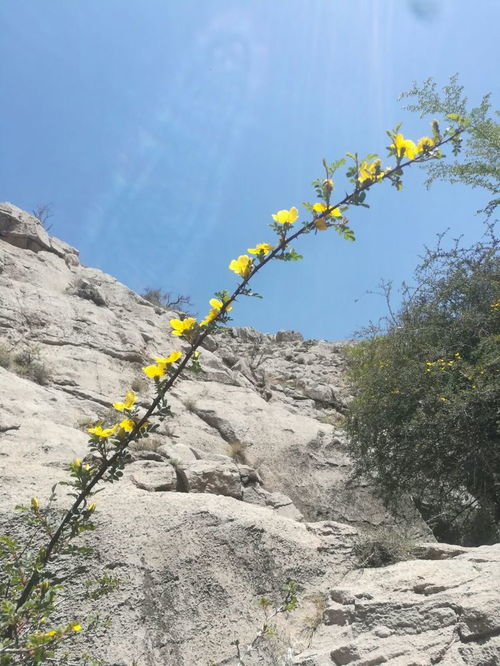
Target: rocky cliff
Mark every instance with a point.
(247, 486)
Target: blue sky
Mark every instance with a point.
(165, 133)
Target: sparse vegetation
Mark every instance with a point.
(147, 444)
(317, 601)
(5, 356)
(190, 405)
(237, 451)
(168, 300)
(383, 546)
(27, 363)
(84, 422)
(335, 419)
(43, 212)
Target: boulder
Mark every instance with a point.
(217, 477)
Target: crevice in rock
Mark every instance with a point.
(478, 637)
(134, 357)
(6, 428)
(182, 480)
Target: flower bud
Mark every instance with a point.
(327, 185)
(35, 504)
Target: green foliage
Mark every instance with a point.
(425, 418)
(479, 165)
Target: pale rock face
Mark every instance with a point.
(245, 487)
(424, 612)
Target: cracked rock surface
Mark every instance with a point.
(414, 613)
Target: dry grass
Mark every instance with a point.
(236, 450)
(382, 547)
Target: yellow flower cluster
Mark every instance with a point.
(216, 306)
(50, 635)
(261, 249)
(127, 425)
(406, 148)
(320, 222)
(370, 171)
(182, 326)
(130, 399)
(441, 363)
(159, 369)
(242, 266)
(103, 432)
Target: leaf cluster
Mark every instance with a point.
(479, 163)
(425, 418)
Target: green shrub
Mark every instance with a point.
(425, 414)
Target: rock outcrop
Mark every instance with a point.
(247, 486)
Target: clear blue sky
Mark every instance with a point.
(166, 132)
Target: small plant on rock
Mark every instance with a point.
(381, 547)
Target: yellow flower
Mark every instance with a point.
(443, 398)
(35, 504)
(181, 326)
(49, 634)
(320, 223)
(370, 171)
(286, 216)
(321, 207)
(76, 627)
(128, 425)
(210, 317)
(102, 432)
(425, 144)
(77, 462)
(154, 371)
(217, 305)
(172, 358)
(404, 147)
(261, 248)
(129, 402)
(159, 368)
(241, 266)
